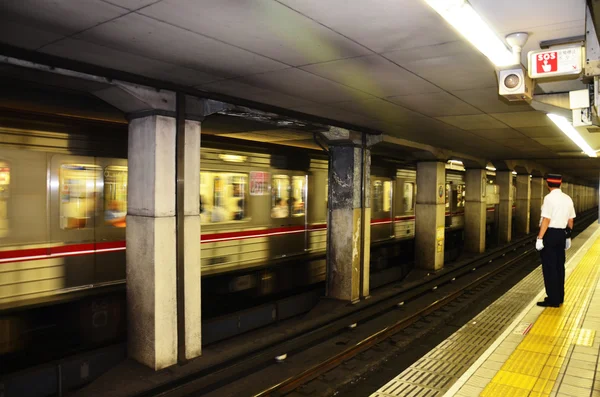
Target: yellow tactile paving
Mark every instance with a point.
(533, 367)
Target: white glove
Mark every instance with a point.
(568, 244)
(539, 244)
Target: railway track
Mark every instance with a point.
(417, 300)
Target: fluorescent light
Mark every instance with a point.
(514, 172)
(490, 168)
(568, 129)
(458, 162)
(467, 22)
(234, 158)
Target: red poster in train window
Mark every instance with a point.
(259, 183)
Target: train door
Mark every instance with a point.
(111, 221)
(4, 198)
(381, 208)
(75, 184)
(288, 213)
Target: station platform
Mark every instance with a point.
(516, 348)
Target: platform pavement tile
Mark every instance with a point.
(595, 393)
(493, 365)
(574, 391)
(582, 365)
(590, 358)
(511, 344)
(485, 373)
(495, 390)
(501, 358)
(478, 381)
(581, 373)
(470, 390)
(543, 386)
(590, 324)
(505, 351)
(577, 381)
(549, 373)
(586, 350)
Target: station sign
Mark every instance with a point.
(555, 62)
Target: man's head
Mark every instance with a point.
(554, 181)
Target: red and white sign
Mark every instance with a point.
(555, 62)
(259, 183)
(547, 62)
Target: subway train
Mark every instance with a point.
(263, 215)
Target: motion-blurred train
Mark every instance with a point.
(263, 215)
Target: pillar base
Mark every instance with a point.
(151, 291)
(344, 258)
(429, 239)
(475, 214)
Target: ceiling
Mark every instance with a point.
(393, 66)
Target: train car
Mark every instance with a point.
(63, 201)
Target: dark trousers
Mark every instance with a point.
(553, 265)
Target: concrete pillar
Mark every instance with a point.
(349, 241)
(504, 181)
(523, 197)
(537, 199)
(475, 210)
(429, 213)
(587, 198)
(190, 244)
(163, 221)
(151, 242)
(568, 189)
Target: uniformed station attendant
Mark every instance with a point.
(554, 239)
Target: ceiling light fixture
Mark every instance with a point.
(467, 22)
(567, 128)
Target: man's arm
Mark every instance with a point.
(544, 227)
(570, 223)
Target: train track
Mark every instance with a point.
(418, 300)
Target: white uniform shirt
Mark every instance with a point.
(558, 207)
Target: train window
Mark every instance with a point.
(409, 195)
(280, 196)
(460, 196)
(4, 195)
(222, 196)
(387, 196)
(377, 195)
(115, 196)
(78, 191)
(298, 194)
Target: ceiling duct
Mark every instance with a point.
(553, 103)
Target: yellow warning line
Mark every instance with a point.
(532, 369)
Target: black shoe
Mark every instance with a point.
(547, 304)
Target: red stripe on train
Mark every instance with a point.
(226, 236)
(112, 246)
(381, 221)
(60, 251)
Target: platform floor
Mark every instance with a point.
(516, 348)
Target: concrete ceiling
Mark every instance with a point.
(394, 66)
